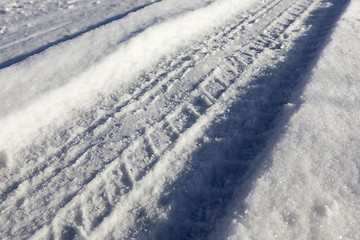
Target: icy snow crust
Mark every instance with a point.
(175, 119)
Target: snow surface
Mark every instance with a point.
(193, 119)
(62, 86)
(310, 187)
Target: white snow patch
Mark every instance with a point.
(311, 190)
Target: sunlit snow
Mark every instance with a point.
(166, 119)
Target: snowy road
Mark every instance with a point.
(151, 119)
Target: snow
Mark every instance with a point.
(194, 119)
(30, 81)
(310, 190)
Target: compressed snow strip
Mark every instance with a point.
(116, 69)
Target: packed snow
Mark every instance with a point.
(72, 83)
(166, 119)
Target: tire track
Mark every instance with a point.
(52, 166)
(152, 85)
(185, 110)
(122, 161)
(140, 211)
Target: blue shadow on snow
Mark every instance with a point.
(201, 196)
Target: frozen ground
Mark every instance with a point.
(176, 119)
